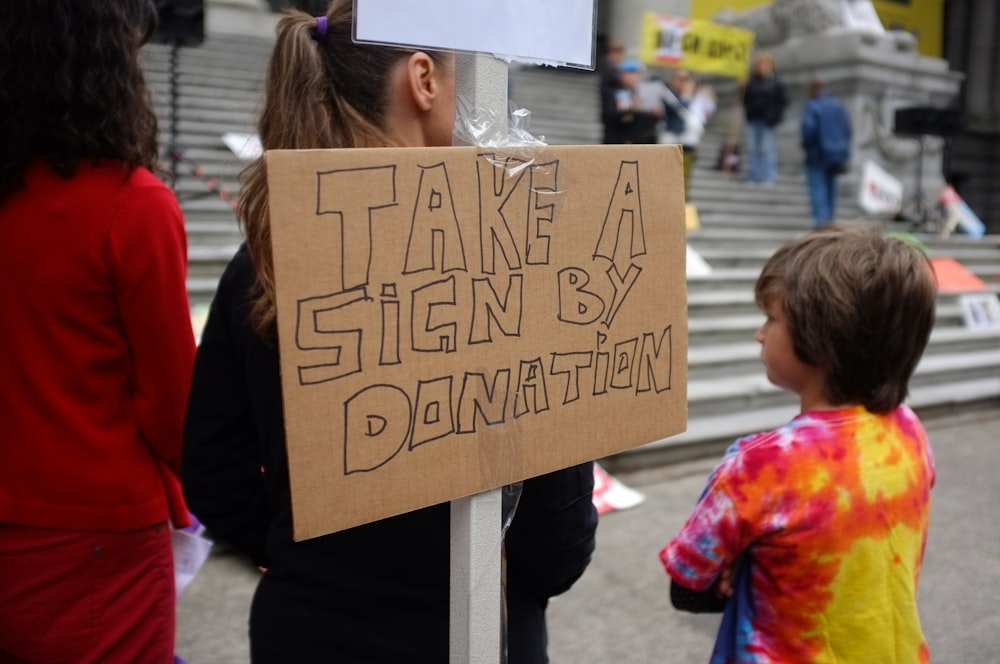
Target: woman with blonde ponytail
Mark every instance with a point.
(378, 592)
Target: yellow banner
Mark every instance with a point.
(702, 46)
(924, 19)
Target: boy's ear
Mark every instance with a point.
(421, 77)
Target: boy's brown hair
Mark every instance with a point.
(859, 305)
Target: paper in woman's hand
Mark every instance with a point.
(191, 548)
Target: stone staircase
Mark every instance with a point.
(728, 394)
(219, 88)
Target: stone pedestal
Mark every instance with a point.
(873, 75)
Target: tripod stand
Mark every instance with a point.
(922, 215)
(919, 122)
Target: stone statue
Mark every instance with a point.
(782, 20)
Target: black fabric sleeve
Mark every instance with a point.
(609, 106)
(221, 464)
(696, 601)
(552, 537)
(781, 94)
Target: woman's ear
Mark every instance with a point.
(421, 76)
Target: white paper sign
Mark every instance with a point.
(191, 549)
(610, 494)
(696, 265)
(880, 193)
(244, 146)
(980, 310)
(557, 32)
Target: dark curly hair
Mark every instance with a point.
(72, 86)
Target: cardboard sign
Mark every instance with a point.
(695, 44)
(452, 320)
(556, 32)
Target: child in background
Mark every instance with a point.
(826, 515)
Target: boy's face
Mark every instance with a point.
(783, 367)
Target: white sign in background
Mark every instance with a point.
(880, 193)
(555, 32)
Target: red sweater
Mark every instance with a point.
(96, 351)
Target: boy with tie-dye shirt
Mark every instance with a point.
(816, 530)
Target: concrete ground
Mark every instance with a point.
(620, 612)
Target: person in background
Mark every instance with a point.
(816, 530)
(607, 69)
(378, 592)
(687, 108)
(631, 110)
(676, 99)
(764, 102)
(826, 139)
(96, 346)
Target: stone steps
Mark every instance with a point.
(564, 108)
(732, 262)
(710, 436)
(711, 398)
(949, 331)
(219, 91)
(734, 358)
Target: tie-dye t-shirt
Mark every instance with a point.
(828, 518)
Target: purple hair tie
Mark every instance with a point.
(320, 33)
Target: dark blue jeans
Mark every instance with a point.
(822, 193)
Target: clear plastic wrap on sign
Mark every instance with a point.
(507, 131)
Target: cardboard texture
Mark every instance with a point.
(451, 320)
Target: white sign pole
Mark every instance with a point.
(474, 632)
(474, 628)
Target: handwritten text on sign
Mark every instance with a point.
(433, 301)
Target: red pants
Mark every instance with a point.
(80, 597)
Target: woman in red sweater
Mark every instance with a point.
(96, 346)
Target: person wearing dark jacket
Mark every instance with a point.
(629, 116)
(764, 102)
(607, 69)
(826, 139)
(377, 592)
